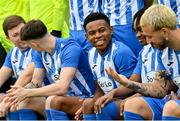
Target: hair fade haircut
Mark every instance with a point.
(158, 17)
(34, 29)
(11, 22)
(137, 16)
(95, 16)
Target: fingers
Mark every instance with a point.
(173, 95)
(12, 89)
(14, 107)
(163, 74)
(98, 105)
(122, 107)
(78, 114)
(112, 73)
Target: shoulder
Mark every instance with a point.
(121, 48)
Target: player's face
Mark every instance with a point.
(99, 33)
(35, 44)
(155, 38)
(139, 35)
(14, 36)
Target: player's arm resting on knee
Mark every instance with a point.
(117, 92)
(4, 106)
(59, 88)
(159, 88)
(18, 93)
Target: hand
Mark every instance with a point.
(4, 107)
(118, 77)
(16, 94)
(79, 114)
(173, 96)
(102, 101)
(122, 107)
(14, 107)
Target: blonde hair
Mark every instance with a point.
(158, 17)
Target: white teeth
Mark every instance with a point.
(100, 42)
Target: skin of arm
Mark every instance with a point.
(158, 89)
(123, 91)
(26, 76)
(5, 73)
(98, 92)
(59, 88)
(118, 92)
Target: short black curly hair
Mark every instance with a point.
(95, 16)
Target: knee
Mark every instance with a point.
(88, 105)
(134, 104)
(24, 104)
(55, 102)
(139, 106)
(170, 108)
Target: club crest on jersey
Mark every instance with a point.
(106, 84)
(56, 77)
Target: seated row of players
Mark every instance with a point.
(64, 68)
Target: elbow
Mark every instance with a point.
(60, 91)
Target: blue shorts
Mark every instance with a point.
(126, 35)
(80, 38)
(156, 105)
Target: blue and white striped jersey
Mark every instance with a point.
(147, 64)
(18, 60)
(174, 5)
(67, 53)
(119, 57)
(79, 9)
(171, 63)
(121, 12)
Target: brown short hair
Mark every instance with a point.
(11, 22)
(34, 29)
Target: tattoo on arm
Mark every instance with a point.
(159, 88)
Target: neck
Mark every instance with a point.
(50, 44)
(174, 39)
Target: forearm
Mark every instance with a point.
(98, 92)
(5, 74)
(122, 92)
(23, 80)
(149, 89)
(52, 89)
(26, 76)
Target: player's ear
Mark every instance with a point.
(111, 29)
